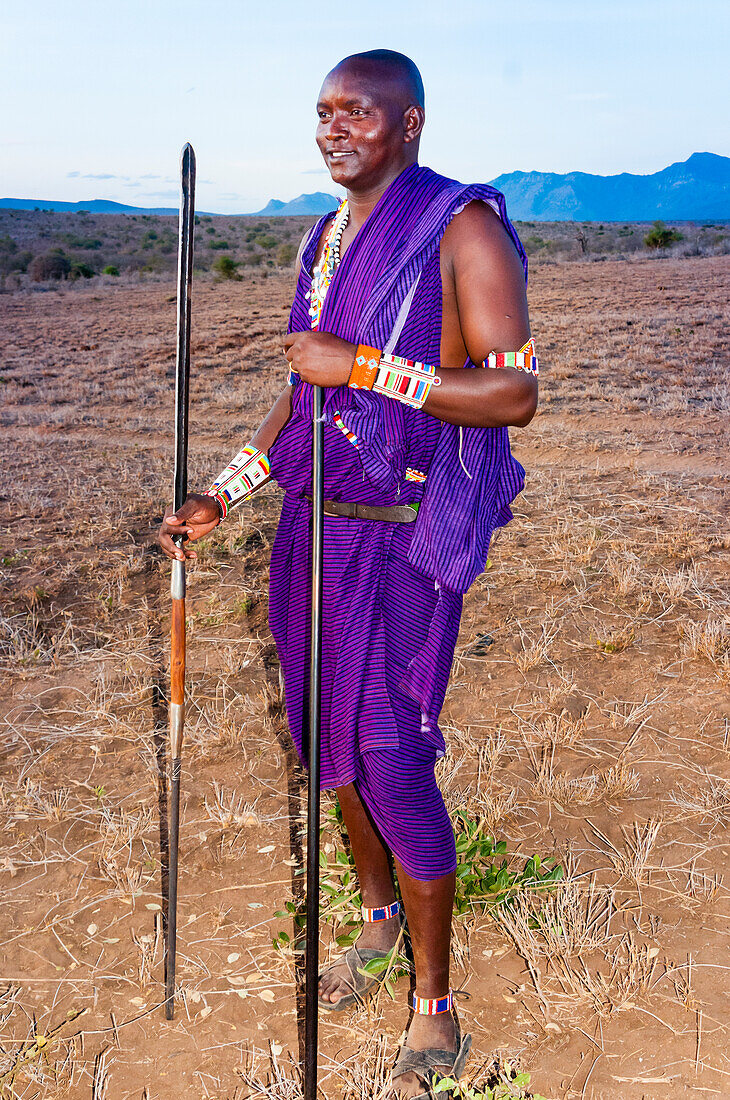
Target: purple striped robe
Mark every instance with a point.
(392, 593)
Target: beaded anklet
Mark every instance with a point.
(524, 359)
(432, 1006)
(246, 473)
(382, 912)
(392, 375)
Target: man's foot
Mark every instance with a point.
(427, 1032)
(336, 981)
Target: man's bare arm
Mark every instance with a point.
(489, 288)
(200, 513)
(489, 299)
(274, 421)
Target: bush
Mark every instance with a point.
(219, 244)
(54, 265)
(226, 268)
(80, 270)
(110, 269)
(286, 254)
(267, 241)
(661, 237)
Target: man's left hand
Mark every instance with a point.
(319, 357)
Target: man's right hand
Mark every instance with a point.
(197, 517)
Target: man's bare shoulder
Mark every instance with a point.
(477, 232)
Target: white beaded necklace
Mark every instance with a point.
(322, 274)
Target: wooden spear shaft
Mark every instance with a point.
(177, 587)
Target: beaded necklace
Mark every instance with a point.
(322, 275)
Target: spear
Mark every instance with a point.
(177, 587)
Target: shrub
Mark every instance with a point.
(110, 269)
(267, 241)
(53, 265)
(81, 242)
(286, 254)
(661, 237)
(80, 270)
(219, 244)
(226, 268)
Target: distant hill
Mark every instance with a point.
(317, 203)
(95, 206)
(697, 189)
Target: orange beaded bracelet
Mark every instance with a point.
(364, 368)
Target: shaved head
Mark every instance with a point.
(386, 66)
(370, 112)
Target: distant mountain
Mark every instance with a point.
(96, 206)
(697, 189)
(317, 203)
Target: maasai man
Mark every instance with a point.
(404, 296)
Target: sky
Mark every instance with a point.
(97, 98)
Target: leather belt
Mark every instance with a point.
(399, 513)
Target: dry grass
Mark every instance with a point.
(596, 723)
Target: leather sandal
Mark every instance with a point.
(362, 985)
(429, 1064)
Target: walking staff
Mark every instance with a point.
(311, 962)
(177, 632)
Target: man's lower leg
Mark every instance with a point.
(376, 888)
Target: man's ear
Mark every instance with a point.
(413, 121)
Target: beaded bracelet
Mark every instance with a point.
(524, 359)
(246, 473)
(392, 375)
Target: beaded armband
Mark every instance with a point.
(432, 1006)
(246, 473)
(392, 375)
(524, 359)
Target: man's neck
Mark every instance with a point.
(362, 203)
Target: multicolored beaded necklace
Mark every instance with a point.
(323, 272)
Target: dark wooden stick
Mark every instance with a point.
(311, 965)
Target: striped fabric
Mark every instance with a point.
(391, 592)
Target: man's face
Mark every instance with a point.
(361, 132)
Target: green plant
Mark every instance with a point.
(110, 269)
(482, 880)
(219, 244)
(661, 237)
(505, 1083)
(285, 254)
(226, 268)
(80, 270)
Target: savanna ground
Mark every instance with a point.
(587, 715)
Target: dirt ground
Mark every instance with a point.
(591, 725)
